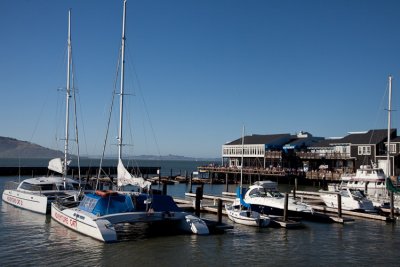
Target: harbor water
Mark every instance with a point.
(30, 239)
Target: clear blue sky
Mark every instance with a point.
(203, 68)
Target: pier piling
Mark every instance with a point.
(219, 213)
(339, 200)
(199, 197)
(285, 210)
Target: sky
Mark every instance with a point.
(198, 70)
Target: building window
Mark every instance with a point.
(364, 150)
(392, 148)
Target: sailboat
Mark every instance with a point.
(99, 214)
(37, 194)
(239, 211)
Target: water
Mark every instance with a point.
(31, 239)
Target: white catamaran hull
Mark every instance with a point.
(102, 227)
(36, 203)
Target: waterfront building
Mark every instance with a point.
(305, 153)
(266, 151)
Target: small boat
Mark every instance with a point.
(240, 211)
(351, 199)
(238, 214)
(264, 197)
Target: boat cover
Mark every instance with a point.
(106, 205)
(239, 194)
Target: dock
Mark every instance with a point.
(322, 214)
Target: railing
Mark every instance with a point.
(261, 171)
(327, 155)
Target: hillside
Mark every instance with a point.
(13, 148)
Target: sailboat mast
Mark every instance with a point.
(121, 96)
(241, 168)
(68, 95)
(389, 173)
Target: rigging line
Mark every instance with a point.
(377, 117)
(132, 66)
(76, 120)
(109, 117)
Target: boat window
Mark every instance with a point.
(276, 194)
(357, 194)
(88, 204)
(26, 186)
(254, 192)
(47, 187)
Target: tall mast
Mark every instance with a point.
(121, 96)
(68, 95)
(241, 168)
(389, 126)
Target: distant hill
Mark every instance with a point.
(13, 148)
(174, 157)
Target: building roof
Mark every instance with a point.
(257, 139)
(370, 137)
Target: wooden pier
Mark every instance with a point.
(231, 174)
(322, 214)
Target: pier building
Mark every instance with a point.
(303, 154)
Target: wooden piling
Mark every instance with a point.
(190, 181)
(285, 210)
(219, 212)
(391, 205)
(199, 196)
(339, 200)
(164, 189)
(226, 182)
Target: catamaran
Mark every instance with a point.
(37, 194)
(99, 214)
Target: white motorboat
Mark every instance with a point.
(351, 199)
(264, 197)
(99, 214)
(367, 178)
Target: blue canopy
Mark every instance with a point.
(240, 196)
(113, 203)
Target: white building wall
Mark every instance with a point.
(246, 151)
